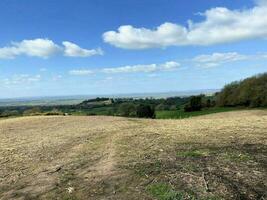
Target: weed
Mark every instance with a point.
(192, 153)
(163, 191)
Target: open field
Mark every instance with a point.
(216, 156)
(180, 114)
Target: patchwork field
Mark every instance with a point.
(217, 156)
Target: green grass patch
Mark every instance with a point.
(163, 191)
(104, 110)
(193, 153)
(180, 114)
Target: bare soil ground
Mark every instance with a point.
(218, 156)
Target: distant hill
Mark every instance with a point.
(41, 101)
(71, 100)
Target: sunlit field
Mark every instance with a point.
(216, 156)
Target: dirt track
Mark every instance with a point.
(117, 158)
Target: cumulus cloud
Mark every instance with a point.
(73, 50)
(220, 25)
(80, 72)
(168, 66)
(22, 79)
(38, 47)
(215, 59)
(45, 48)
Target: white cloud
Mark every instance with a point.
(45, 48)
(168, 66)
(220, 25)
(38, 47)
(130, 69)
(216, 59)
(22, 79)
(73, 50)
(8, 52)
(80, 72)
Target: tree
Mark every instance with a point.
(250, 92)
(8, 113)
(195, 104)
(208, 103)
(127, 109)
(32, 111)
(145, 111)
(162, 106)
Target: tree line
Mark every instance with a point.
(250, 92)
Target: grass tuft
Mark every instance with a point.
(163, 191)
(192, 153)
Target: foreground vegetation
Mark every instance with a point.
(217, 156)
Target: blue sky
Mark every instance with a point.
(69, 47)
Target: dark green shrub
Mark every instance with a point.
(145, 111)
(32, 111)
(9, 113)
(195, 104)
(54, 112)
(127, 110)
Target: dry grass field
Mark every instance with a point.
(217, 156)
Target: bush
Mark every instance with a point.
(162, 107)
(54, 112)
(208, 103)
(195, 104)
(145, 111)
(91, 114)
(127, 110)
(188, 108)
(9, 113)
(32, 111)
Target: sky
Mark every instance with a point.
(80, 47)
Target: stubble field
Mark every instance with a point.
(217, 156)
